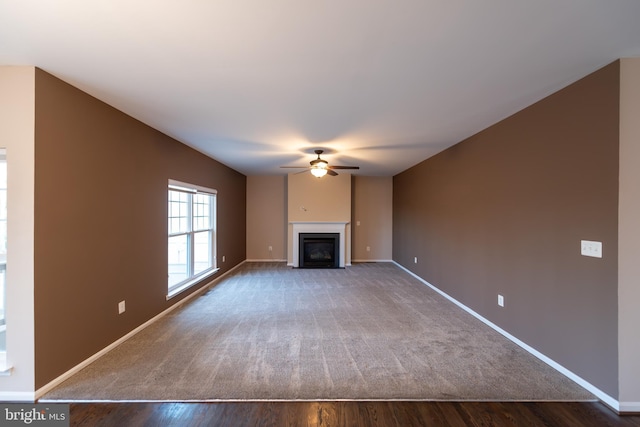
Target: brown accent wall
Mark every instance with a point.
(504, 211)
(101, 222)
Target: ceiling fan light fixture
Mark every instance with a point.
(320, 167)
(318, 172)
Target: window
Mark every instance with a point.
(192, 220)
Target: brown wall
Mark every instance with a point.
(504, 211)
(371, 222)
(267, 218)
(101, 222)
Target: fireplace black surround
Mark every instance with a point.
(319, 250)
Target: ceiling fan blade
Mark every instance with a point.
(320, 163)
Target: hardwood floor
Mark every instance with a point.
(348, 414)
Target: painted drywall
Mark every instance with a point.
(504, 212)
(372, 218)
(319, 199)
(629, 235)
(17, 89)
(101, 222)
(266, 218)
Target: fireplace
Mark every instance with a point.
(340, 228)
(319, 250)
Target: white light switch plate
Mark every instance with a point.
(591, 248)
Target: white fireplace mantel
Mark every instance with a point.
(319, 227)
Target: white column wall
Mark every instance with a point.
(17, 128)
(629, 238)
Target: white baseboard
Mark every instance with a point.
(47, 387)
(17, 396)
(606, 399)
(628, 408)
(371, 260)
(266, 260)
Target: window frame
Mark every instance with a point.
(191, 190)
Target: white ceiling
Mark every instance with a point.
(256, 84)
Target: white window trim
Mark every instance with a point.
(193, 188)
(190, 283)
(185, 186)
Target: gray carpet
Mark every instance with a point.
(267, 331)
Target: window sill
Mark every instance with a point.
(189, 284)
(5, 370)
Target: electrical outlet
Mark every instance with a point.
(368, 248)
(500, 300)
(590, 248)
(224, 258)
(415, 259)
(121, 307)
(270, 248)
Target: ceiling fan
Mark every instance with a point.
(320, 167)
